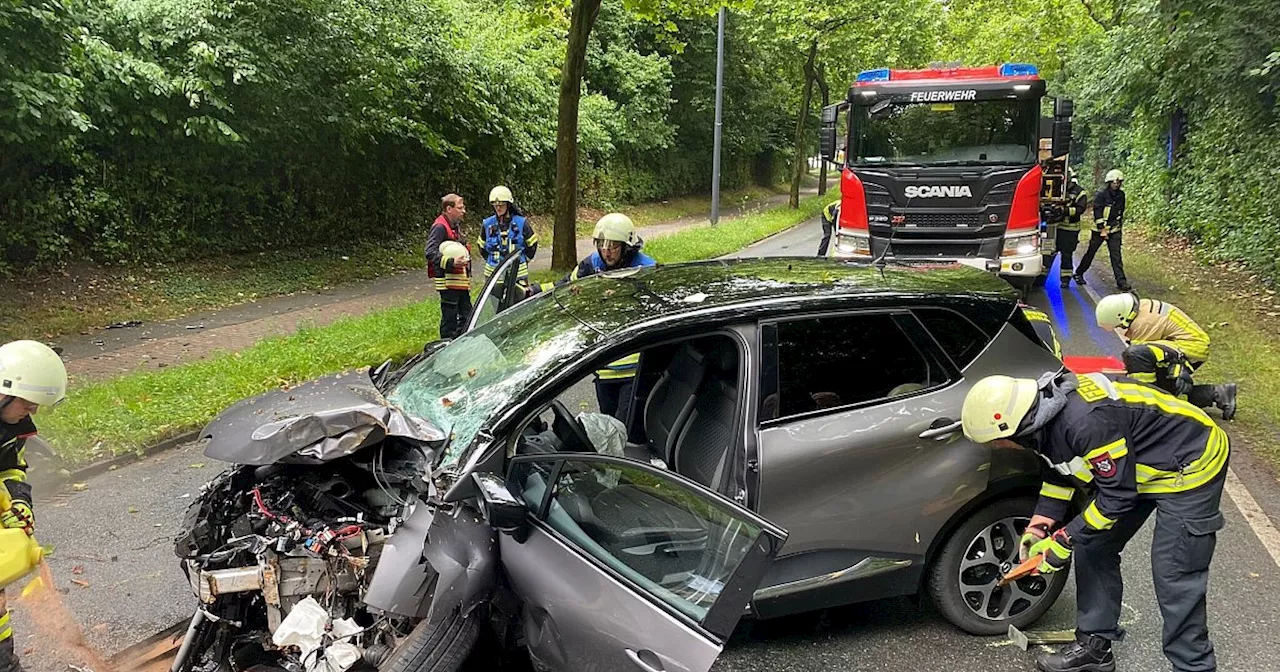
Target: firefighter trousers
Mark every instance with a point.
(1065, 242)
(455, 311)
(1141, 363)
(1113, 250)
(1186, 530)
(827, 229)
(8, 656)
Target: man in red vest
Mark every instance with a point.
(450, 267)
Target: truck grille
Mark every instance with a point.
(945, 250)
(944, 219)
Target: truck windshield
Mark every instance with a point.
(979, 132)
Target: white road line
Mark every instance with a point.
(1239, 493)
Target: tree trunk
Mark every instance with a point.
(564, 239)
(826, 100)
(801, 159)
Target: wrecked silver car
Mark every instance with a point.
(381, 519)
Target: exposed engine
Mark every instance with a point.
(280, 557)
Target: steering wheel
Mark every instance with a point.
(573, 437)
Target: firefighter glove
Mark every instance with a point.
(19, 517)
(1056, 550)
(1033, 535)
(1182, 381)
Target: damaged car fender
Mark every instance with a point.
(438, 560)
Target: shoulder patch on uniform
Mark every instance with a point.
(1103, 465)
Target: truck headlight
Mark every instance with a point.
(853, 244)
(1021, 244)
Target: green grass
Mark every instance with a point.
(137, 410)
(1243, 320)
(91, 297)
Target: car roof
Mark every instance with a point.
(775, 286)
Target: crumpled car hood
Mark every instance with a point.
(318, 421)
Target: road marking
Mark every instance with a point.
(1258, 520)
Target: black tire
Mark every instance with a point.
(1023, 285)
(961, 601)
(441, 645)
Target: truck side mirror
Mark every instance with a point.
(827, 134)
(1063, 108)
(1061, 137)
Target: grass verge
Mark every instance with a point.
(1242, 316)
(81, 299)
(129, 413)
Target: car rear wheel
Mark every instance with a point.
(441, 645)
(963, 578)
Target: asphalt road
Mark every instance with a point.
(114, 537)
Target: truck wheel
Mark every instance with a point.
(441, 645)
(962, 579)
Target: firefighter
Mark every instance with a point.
(1068, 234)
(1043, 327)
(451, 272)
(1140, 451)
(1108, 221)
(506, 232)
(31, 375)
(830, 218)
(617, 246)
(1164, 347)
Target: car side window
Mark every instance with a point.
(652, 530)
(958, 336)
(841, 360)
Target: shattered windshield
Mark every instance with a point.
(460, 387)
(979, 132)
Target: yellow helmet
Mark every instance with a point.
(996, 406)
(32, 371)
(1116, 311)
(500, 194)
(452, 249)
(617, 227)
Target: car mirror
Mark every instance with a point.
(502, 510)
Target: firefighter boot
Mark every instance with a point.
(1079, 279)
(1090, 653)
(1224, 397)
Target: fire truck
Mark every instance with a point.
(946, 164)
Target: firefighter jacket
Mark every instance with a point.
(1077, 202)
(1162, 323)
(1043, 328)
(1126, 441)
(508, 235)
(1108, 209)
(13, 463)
(831, 214)
(444, 273)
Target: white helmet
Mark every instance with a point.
(617, 227)
(32, 371)
(500, 194)
(452, 249)
(1117, 311)
(1114, 175)
(996, 406)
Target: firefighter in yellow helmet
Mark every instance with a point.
(506, 232)
(618, 245)
(1165, 346)
(1108, 223)
(31, 375)
(1136, 451)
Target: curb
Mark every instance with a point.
(48, 480)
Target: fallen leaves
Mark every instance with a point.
(80, 582)
(79, 487)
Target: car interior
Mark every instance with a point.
(683, 417)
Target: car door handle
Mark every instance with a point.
(646, 660)
(939, 431)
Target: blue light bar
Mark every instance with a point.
(881, 75)
(1018, 70)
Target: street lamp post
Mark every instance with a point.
(715, 160)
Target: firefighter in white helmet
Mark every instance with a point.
(1165, 346)
(1135, 450)
(1108, 223)
(506, 232)
(618, 245)
(31, 375)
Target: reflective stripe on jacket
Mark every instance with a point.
(1162, 323)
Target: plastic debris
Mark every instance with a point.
(695, 298)
(339, 658)
(125, 325)
(303, 627)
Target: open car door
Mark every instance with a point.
(625, 566)
(501, 291)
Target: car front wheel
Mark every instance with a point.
(441, 645)
(963, 579)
